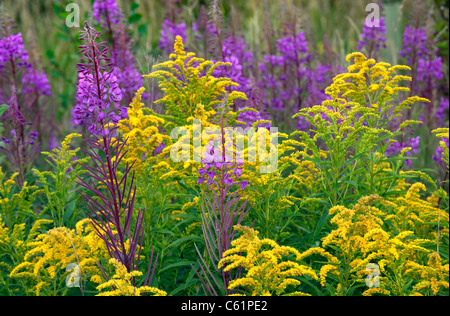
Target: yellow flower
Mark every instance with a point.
(49, 254)
(121, 283)
(267, 270)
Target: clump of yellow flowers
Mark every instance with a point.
(350, 131)
(14, 246)
(49, 255)
(58, 184)
(443, 133)
(141, 130)
(395, 235)
(188, 82)
(16, 204)
(121, 283)
(267, 270)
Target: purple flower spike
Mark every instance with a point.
(12, 48)
(169, 32)
(108, 9)
(373, 37)
(97, 87)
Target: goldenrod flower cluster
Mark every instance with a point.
(16, 204)
(187, 82)
(395, 235)
(443, 133)
(14, 246)
(191, 92)
(121, 283)
(58, 184)
(352, 125)
(50, 254)
(267, 270)
(433, 277)
(141, 131)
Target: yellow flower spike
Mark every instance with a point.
(179, 47)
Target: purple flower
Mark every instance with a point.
(108, 9)
(373, 37)
(244, 184)
(228, 179)
(211, 174)
(216, 167)
(429, 70)
(125, 69)
(12, 48)
(438, 155)
(36, 81)
(169, 32)
(20, 150)
(414, 43)
(395, 148)
(442, 112)
(97, 88)
(235, 51)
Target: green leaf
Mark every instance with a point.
(134, 6)
(162, 231)
(3, 108)
(134, 18)
(323, 219)
(142, 30)
(69, 211)
(183, 240)
(185, 285)
(178, 264)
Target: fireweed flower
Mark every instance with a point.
(442, 112)
(108, 9)
(284, 75)
(222, 205)
(439, 153)
(427, 70)
(21, 86)
(170, 30)
(373, 38)
(235, 53)
(409, 147)
(20, 151)
(13, 48)
(414, 43)
(216, 165)
(99, 93)
(125, 70)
